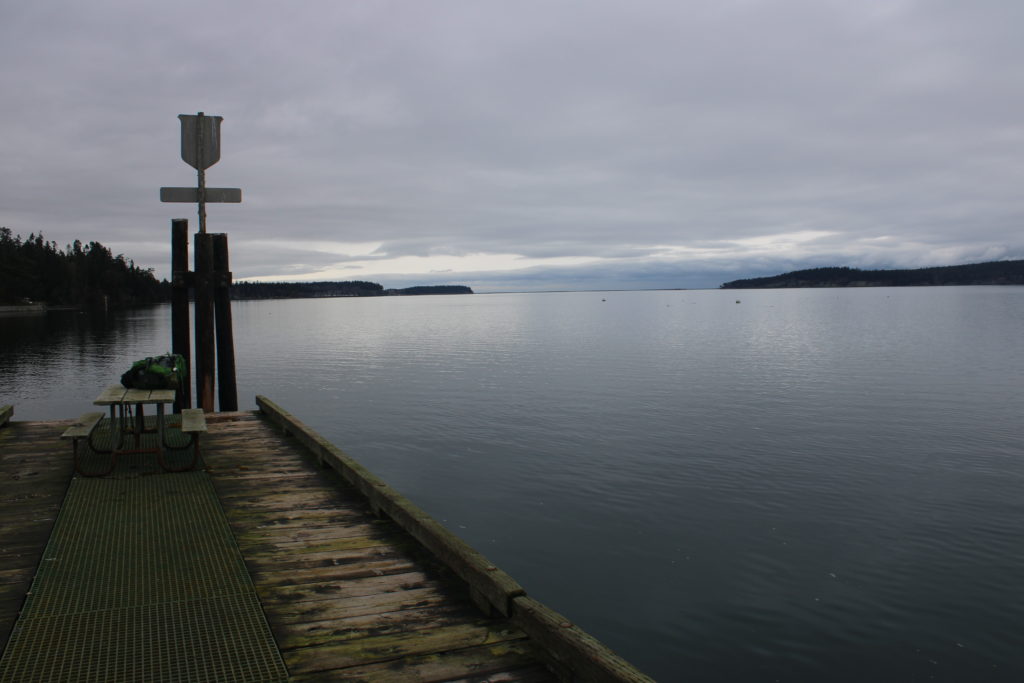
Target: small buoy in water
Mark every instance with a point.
(737, 300)
(603, 299)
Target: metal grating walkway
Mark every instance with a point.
(142, 581)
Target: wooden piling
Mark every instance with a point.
(204, 365)
(180, 329)
(226, 387)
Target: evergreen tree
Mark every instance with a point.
(39, 271)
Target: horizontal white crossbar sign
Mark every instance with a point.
(191, 194)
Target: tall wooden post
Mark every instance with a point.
(204, 366)
(226, 388)
(180, 329)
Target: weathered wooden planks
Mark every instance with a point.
(400, 645)
(573, 653)
(33, 486)
(347, 593)
(515, 659)
(490, 587)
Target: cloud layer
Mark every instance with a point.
(527, 145)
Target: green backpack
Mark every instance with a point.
(157, 372)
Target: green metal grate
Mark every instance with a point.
(142, 581)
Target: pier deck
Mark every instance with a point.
(351, 587)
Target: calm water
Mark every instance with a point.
(807, 485)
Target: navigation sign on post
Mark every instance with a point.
(200, 140)
(200, 149)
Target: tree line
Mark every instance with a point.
(430, 289)
(990, 273)
(308, 290)
(35, 270)
(303, 290)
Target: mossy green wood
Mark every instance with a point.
(572, 649)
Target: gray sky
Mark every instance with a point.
(525, 144)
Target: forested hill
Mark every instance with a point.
(36, 271)
(303, 290)
(307, 290)
(431, 289)
(991, 273)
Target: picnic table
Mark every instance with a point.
(128, 424)
(120, 400)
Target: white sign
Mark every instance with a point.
(200, 140)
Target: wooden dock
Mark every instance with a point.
(355, 582)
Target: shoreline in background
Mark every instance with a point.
(32, 309)
(988, 273)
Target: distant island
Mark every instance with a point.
(313, 290)
(990, 273)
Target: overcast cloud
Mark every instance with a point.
(525, 144)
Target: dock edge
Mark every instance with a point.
(573, 654)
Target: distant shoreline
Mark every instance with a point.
(255, 291)
(32, 309)
(23, 309)
(989, 273)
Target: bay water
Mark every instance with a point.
(791, 485)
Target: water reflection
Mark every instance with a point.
(817, 484)
(52, 366)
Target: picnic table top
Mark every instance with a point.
(116, 394)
